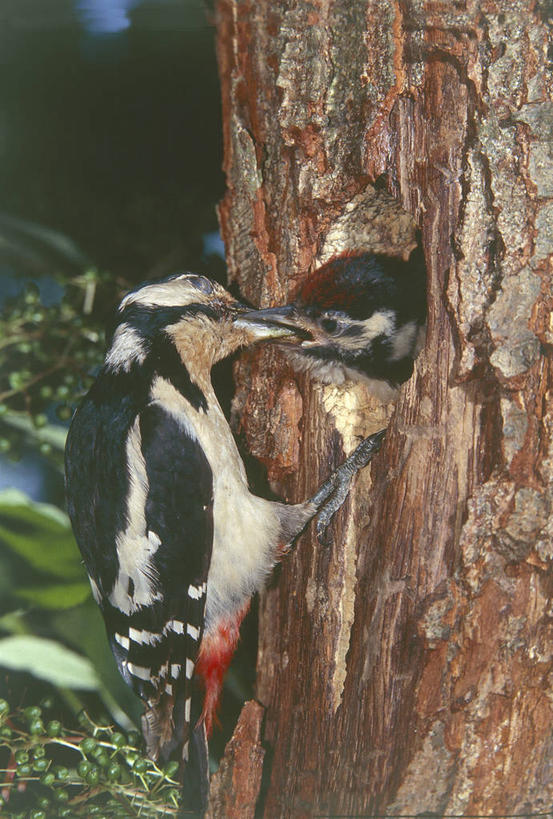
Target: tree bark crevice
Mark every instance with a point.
(405, 666)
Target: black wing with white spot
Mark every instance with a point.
(170, 531)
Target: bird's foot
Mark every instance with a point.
(335, 489)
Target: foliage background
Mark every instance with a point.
(110, 157)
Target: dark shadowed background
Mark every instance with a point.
(110, 171)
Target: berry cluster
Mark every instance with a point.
(50, 771)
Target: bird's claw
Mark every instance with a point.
(339, 483)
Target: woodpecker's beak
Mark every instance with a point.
(269, 324)
(291, 324)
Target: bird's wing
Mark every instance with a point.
(168, 540)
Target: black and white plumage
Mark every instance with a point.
(363, 317)
(173, 541)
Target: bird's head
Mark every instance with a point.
(358, 317)
(203, 321)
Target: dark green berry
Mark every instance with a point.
(62, 773)
(21, 756)
(36, 727)
(39, 751)
(24, 770)
(88, 744)
(140, 765)
(93, 776)
(41, 765)
(64, 412)
(4, 708)
(114, 771)
(6, 732)
(63, 392)
(62, 795)
(84, 767)
(134, 738)
(48, 779)
(118, 740)
(32, 712)
(15, 380)
(53, 729)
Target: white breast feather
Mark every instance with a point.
(246, 528)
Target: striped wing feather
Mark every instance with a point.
(156, 646)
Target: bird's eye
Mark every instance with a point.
(329, 324)
(201, 283)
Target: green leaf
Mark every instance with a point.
(56, 596)
(49, 661)
(40, 533)
(52, 434)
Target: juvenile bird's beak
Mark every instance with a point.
(272, 323)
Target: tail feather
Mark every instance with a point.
(168, 736)
(195, 779)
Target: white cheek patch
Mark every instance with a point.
(126, 348)
(381, 323)
(404, 341)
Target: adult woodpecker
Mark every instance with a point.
(362, 316)
(173, 541)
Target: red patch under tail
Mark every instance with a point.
(216, 650)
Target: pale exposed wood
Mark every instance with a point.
(407, 666)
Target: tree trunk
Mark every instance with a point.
(406, 665)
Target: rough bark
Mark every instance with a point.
(407, 665)
(234, 789)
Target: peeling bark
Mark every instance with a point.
(407, 665)
(234, 789)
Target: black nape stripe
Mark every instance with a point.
(162, 357)
(167, 363)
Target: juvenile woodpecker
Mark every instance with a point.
(173, 541)
(362, 317)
